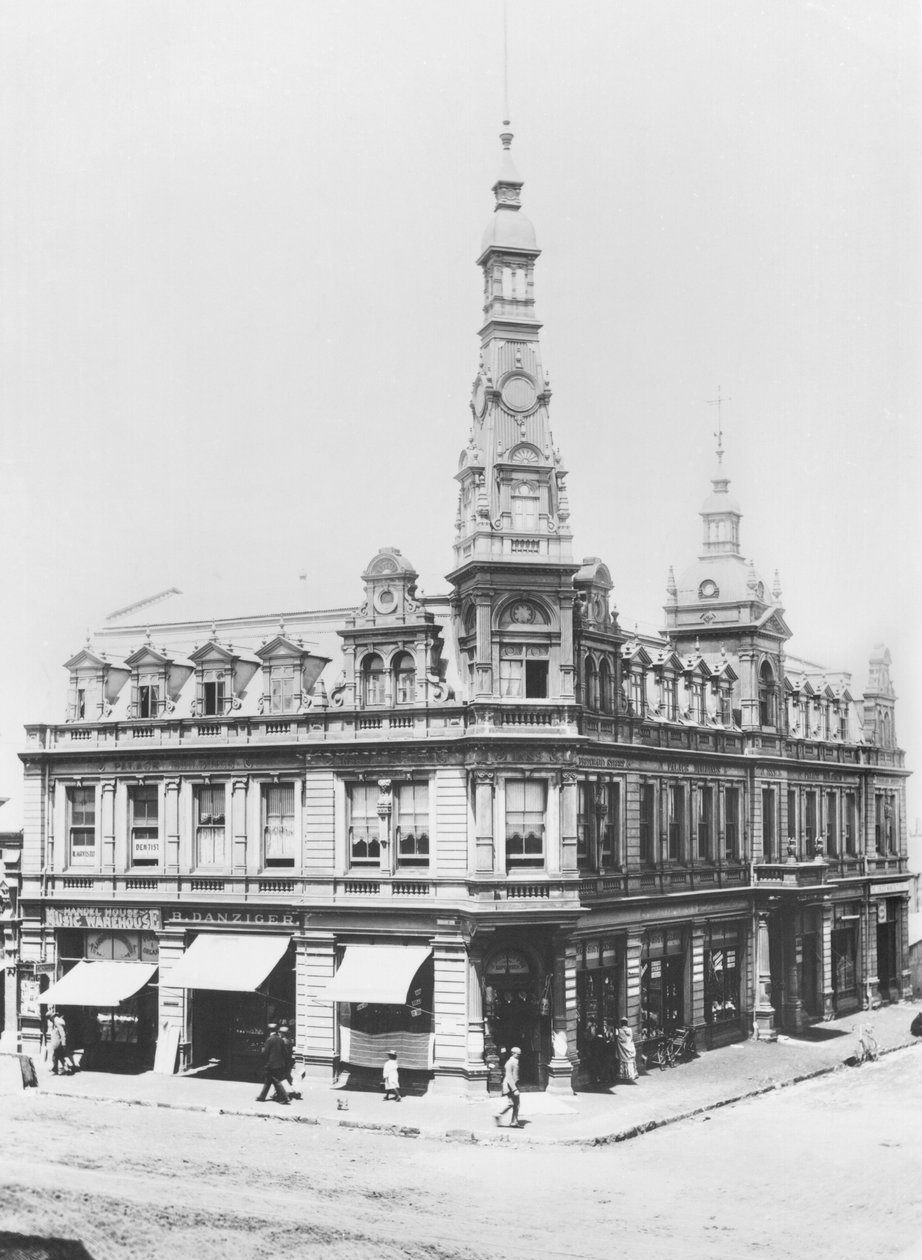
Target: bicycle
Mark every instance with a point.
(867, 1048)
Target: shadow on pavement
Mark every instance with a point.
(31, 1247)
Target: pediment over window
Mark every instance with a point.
(95, 682)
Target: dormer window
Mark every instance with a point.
(213, 700)
(148, 700)
(282, 689)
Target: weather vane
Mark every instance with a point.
(718, 403)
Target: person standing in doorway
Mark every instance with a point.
(511, 1089)
(391, 1078)
(275, 1067)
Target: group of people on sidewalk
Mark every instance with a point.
(62, 1059)
(279, 1062)
(611, 1054)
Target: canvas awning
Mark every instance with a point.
(102, 983)
(375, 973)
(238, 964)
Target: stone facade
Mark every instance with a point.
(574, 825)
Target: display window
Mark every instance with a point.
(662, 983)
(370, 1030)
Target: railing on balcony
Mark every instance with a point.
(791, 874)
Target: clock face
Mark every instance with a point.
(519, 393)
(479, 397)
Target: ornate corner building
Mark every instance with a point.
(447, 825)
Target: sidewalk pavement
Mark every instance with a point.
(592, 1118)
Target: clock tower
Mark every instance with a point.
(513, 573)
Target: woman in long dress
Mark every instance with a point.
(627, 1053)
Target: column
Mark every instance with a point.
(171, 825)
(792, 1007)
(871, 978)
(568, 812)
(749, 691)
(829, 1010)
(107, 832)
(902, 937)
(633, 950)
(483, 683)
(483, 806)
(449, 1004)
(764, 1014)
(567, 670)
(564, 1058)
(316, 1032)
(239, 826)
(694, 1001)
(477, 1067)
(172, 1002)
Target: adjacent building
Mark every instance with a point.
(446, 825)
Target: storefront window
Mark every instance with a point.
(844, 960)
(662, 982)
(721, 985)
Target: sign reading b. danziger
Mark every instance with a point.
(115, 918)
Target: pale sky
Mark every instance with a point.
(238, 302)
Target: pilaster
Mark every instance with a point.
(483, 793)
(171, 825)
(764, 1014)
(107, 828)
(449, 1001)
(564, 1058)
(316, 1038)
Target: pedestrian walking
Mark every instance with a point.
(285, 1034)
(511, 1089)
(275, 1067)
(627, 1053)
(391, 1078)
(60, 1052)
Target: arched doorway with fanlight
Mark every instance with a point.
(518, 1009)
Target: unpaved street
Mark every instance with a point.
(825, 1169)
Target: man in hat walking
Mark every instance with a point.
(275, 1067)
(511, 1089)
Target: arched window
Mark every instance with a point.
(372, 680)
(766, 695)
(404, 679)
(591, 684)
(606, 699)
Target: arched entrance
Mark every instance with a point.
(518, 1012)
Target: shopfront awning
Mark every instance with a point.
(237, 964)
(103, 983)
(375, 973)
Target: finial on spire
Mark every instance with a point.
(718, 403)
(671, 588)
(776, 588)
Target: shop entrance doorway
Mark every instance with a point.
(887, 982)
(514, 1014)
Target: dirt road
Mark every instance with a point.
(826, 1169)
